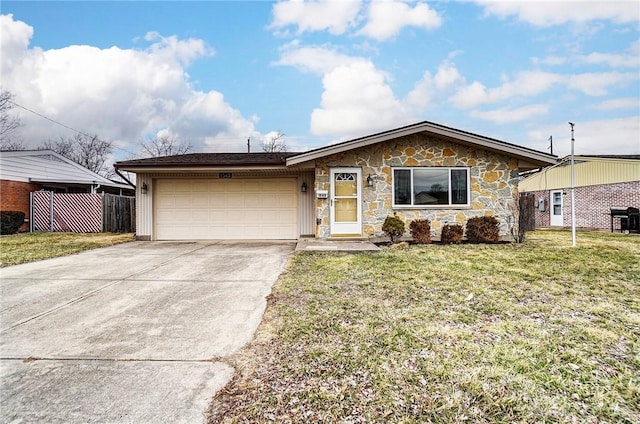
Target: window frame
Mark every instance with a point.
(438, 206)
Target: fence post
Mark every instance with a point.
(51, 214)
(31, 211)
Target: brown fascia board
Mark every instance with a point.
(454, 135)
(205, 162)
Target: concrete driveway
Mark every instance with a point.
(134, 333)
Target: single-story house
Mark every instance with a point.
(602, 183)
(424, 170)
(26, 171)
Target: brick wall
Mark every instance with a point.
(593, 204)
(14, 196)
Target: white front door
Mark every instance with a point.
(556, 209)
(345, 208)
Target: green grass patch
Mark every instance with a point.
(28, 247)
(533, 332)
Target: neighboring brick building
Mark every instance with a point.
(601, 183)
(26, 171)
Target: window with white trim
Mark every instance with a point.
(436, 186)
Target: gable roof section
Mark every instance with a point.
(47, 166)
(528, 158)
(208, 160)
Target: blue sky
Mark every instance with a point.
(216, 73)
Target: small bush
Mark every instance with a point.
(452, 233)
(11, 221)
(393, 227)
(421, 231)
(483, 229)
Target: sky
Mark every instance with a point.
(217, 73)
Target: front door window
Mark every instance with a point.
(345, 201)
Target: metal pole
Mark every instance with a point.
(573, 192)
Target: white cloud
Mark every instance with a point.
(330, 15)
(613, 60)
(357, 100)
(551, 12)
(507, 116)
(387, 17)
(597, 137)
(624, 103)
(315, 59)
(526, 83)
(429, 86)
(598, 83)
(120, 94)
(550, 60)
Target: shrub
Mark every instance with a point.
(11, 221)
(452, 233)
(421, 230)
(393, 227)
(483, 229)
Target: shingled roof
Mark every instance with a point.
(211, 159)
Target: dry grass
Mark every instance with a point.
(529, 333)
(28, 247)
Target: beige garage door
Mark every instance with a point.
(205, 209)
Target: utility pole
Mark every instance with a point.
(573, 192)
(551, 143)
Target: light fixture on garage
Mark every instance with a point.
(369, 181)
(303, 187)
(145, 188)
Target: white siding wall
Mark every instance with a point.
(144, 207)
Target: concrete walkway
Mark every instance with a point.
(134, 333)
(337, 245)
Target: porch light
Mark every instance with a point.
(145, 188)
(369, 181)
(303, 187)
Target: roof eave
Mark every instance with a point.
(538, 158)
(78, 182)
(148, 169)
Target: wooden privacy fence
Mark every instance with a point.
(527, 217)
(118, 214)
(82, 212)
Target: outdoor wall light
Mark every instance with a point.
(303, 187)
(369, 181)
(145, 188)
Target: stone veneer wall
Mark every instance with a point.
(493, 182)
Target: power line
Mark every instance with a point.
(62, 125)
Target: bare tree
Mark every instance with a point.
(165, 146)
(275, 143)
(89, 151)
(522, 216)
(8, 123)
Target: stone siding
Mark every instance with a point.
(493, 182)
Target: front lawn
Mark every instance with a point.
(28, 247)
(524, 333)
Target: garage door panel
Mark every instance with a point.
(226, 209)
